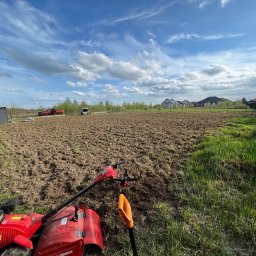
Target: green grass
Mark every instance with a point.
(216, 202)
(220, 181)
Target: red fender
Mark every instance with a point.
(23, 241)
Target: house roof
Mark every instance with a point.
(170, 101)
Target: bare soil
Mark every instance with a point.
(54, 157)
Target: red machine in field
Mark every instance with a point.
(51, 111)
(67, 230)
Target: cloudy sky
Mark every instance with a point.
(126, 50)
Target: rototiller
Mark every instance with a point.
(67, 230)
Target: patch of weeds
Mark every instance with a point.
(76, 149)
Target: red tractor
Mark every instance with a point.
(51, 112)
(67, 230)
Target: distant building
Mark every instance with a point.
(186, 103)
(252, 103)
(3, 115)
(193, 103)
(170, 103)
(210, 101)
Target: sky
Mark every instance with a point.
(126, 51)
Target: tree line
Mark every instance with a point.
(74, 107)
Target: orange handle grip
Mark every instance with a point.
(125, 211)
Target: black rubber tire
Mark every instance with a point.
(92, 250)
(16, 250)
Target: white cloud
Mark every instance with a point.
(111, 90)
(138, 15)
(224, 3)
(200, 3)
(48, 99)
(100, 64)
(42, 63)
(222, 36)
(149, 81)
(25, 23)
(190, 76)
(46, 64)
(83, 74)
(180, 37)
(38, 80)
(77, 93)
(215, 69)
(76, 84)
(135, 90)
(193, 76)
(71, 84)
(13, 90)
(203, 3)
(151, 34)
(153, 73)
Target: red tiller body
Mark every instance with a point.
(19, 228)
(64, 235)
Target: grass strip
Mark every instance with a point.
(217, 205)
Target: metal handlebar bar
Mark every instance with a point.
(115, 165)
(108, 172)
(125, 178)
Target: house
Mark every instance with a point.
(210, 101)
(170, 103)
(179, 103)
(3, 115)
(186, 103)
(193, 103)
(251, 103)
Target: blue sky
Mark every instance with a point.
(125, 51)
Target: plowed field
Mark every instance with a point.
(53, 157)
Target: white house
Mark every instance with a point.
(170, 103)
(186, 103)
